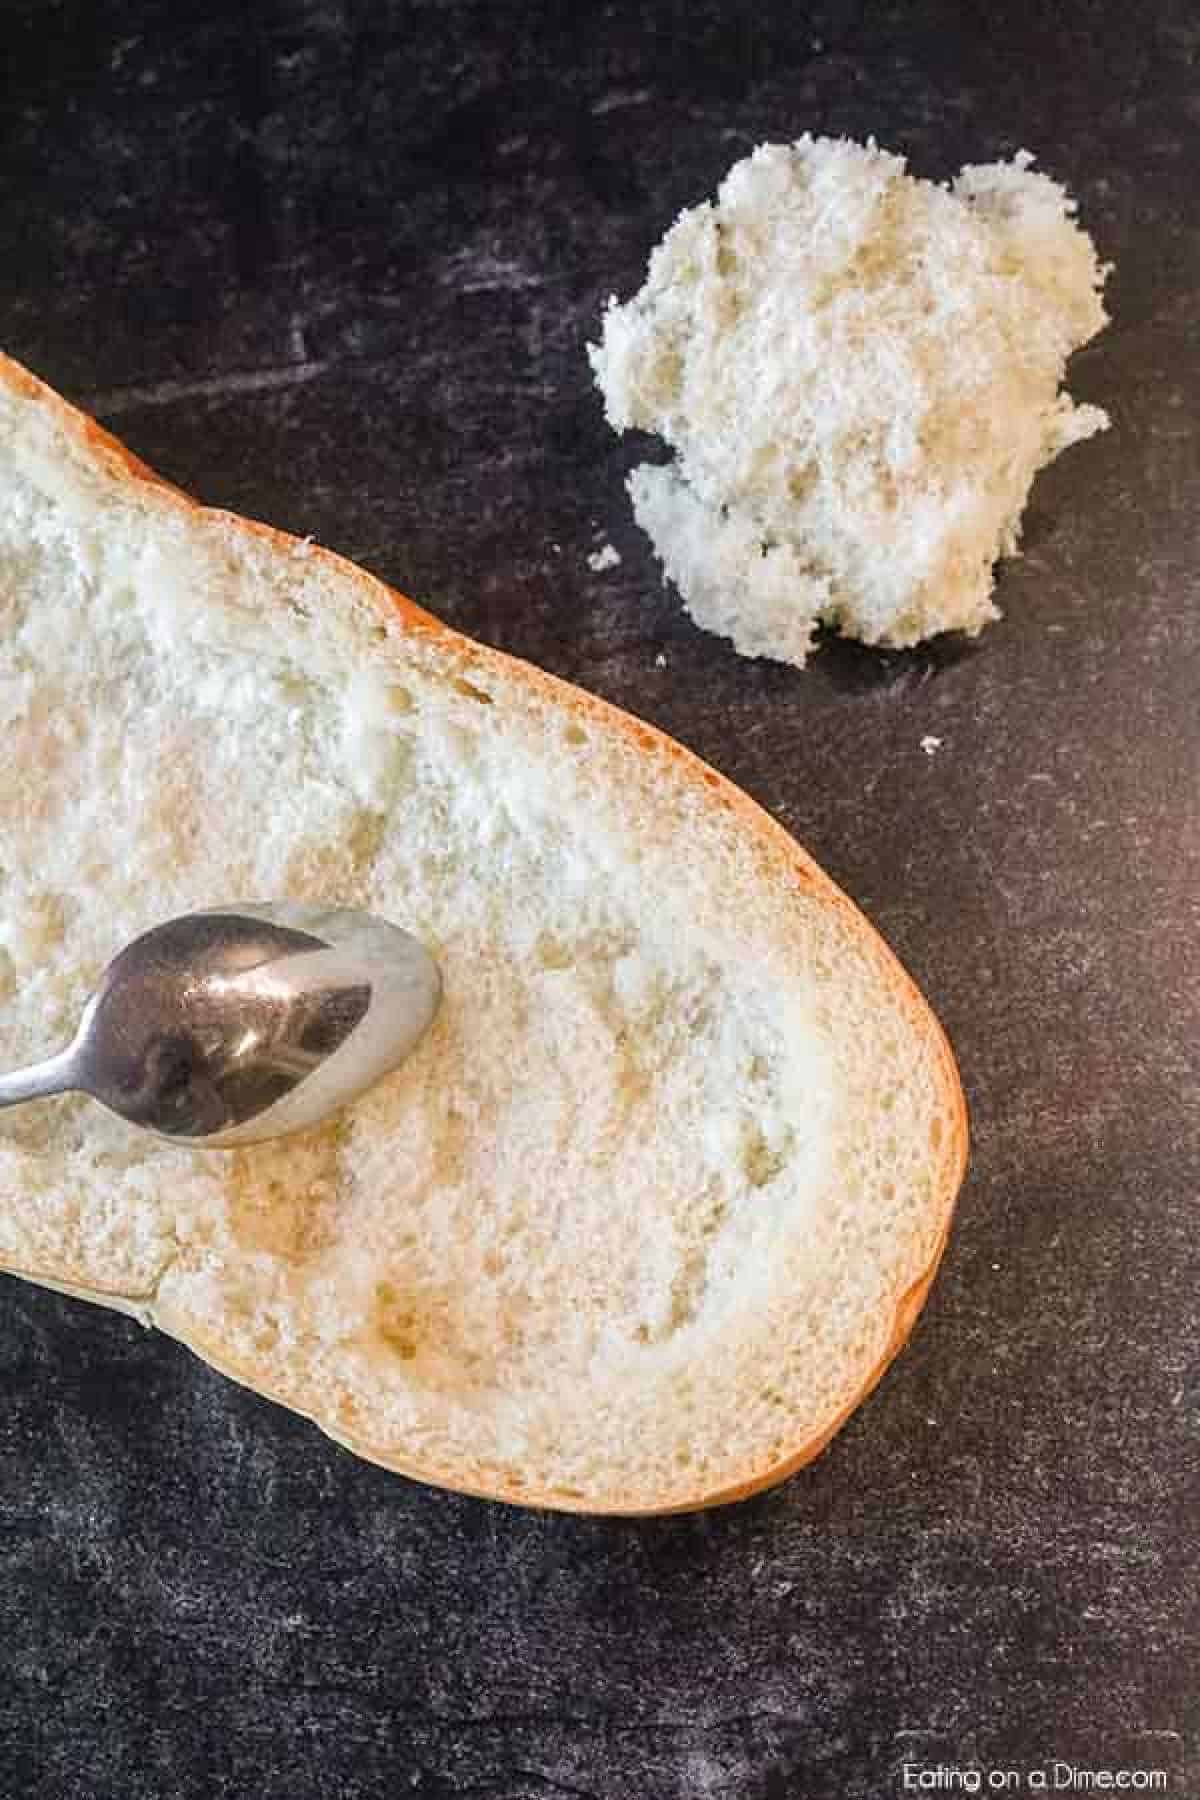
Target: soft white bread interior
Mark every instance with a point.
(859, 375)
(660, 1194)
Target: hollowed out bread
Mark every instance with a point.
(660, 1194)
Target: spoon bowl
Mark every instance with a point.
(245, 1022)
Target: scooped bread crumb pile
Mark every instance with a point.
(860, 375)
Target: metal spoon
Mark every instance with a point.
(243, 1023)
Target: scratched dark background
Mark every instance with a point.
(335, 265)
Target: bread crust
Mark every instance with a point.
(779, 848)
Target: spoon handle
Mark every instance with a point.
(56, 1075)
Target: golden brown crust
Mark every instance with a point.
(779, 849)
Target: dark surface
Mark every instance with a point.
(335, 267)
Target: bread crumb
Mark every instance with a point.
(605, 558)
(660, 661)
(930, 744)
(859, 373)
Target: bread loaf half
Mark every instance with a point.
(660, 1195)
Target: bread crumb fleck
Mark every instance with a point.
(660, 661)
(930, 744)
(605, 558)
